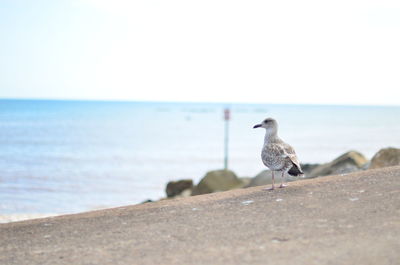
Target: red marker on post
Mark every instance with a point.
(227, 117)
(227, 114)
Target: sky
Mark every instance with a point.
(318, 52)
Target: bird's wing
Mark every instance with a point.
(290, 153)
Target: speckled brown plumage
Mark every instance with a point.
(276, 154)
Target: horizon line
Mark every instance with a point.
(198, 102)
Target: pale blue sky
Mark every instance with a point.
(321, 52)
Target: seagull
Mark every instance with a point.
(276, 154)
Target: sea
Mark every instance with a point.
(59, 157)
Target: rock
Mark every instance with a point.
(386, 157)
(307, 168)
(183, 194)
(265, 178)
(218, 180)
(262, 178)
(245, 181)
(175, 188)
(346, 163)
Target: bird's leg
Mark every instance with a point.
(273, 182)
(282, 179)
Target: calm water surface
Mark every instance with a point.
(70, 156)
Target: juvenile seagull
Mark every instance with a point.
(276, 154)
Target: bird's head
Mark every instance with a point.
(269, 124)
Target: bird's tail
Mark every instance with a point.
(295, 171)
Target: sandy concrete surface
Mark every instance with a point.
(350, 219)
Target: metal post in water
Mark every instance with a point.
(226, 118)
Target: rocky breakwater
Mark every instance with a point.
(386, 157)
(223, 180)
(213, 181)
(348, 162)
(182, 188)
(219, 180)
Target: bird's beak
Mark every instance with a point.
(257, 126)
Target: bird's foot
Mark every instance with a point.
(282, 185)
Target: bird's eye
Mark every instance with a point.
(266, 121)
